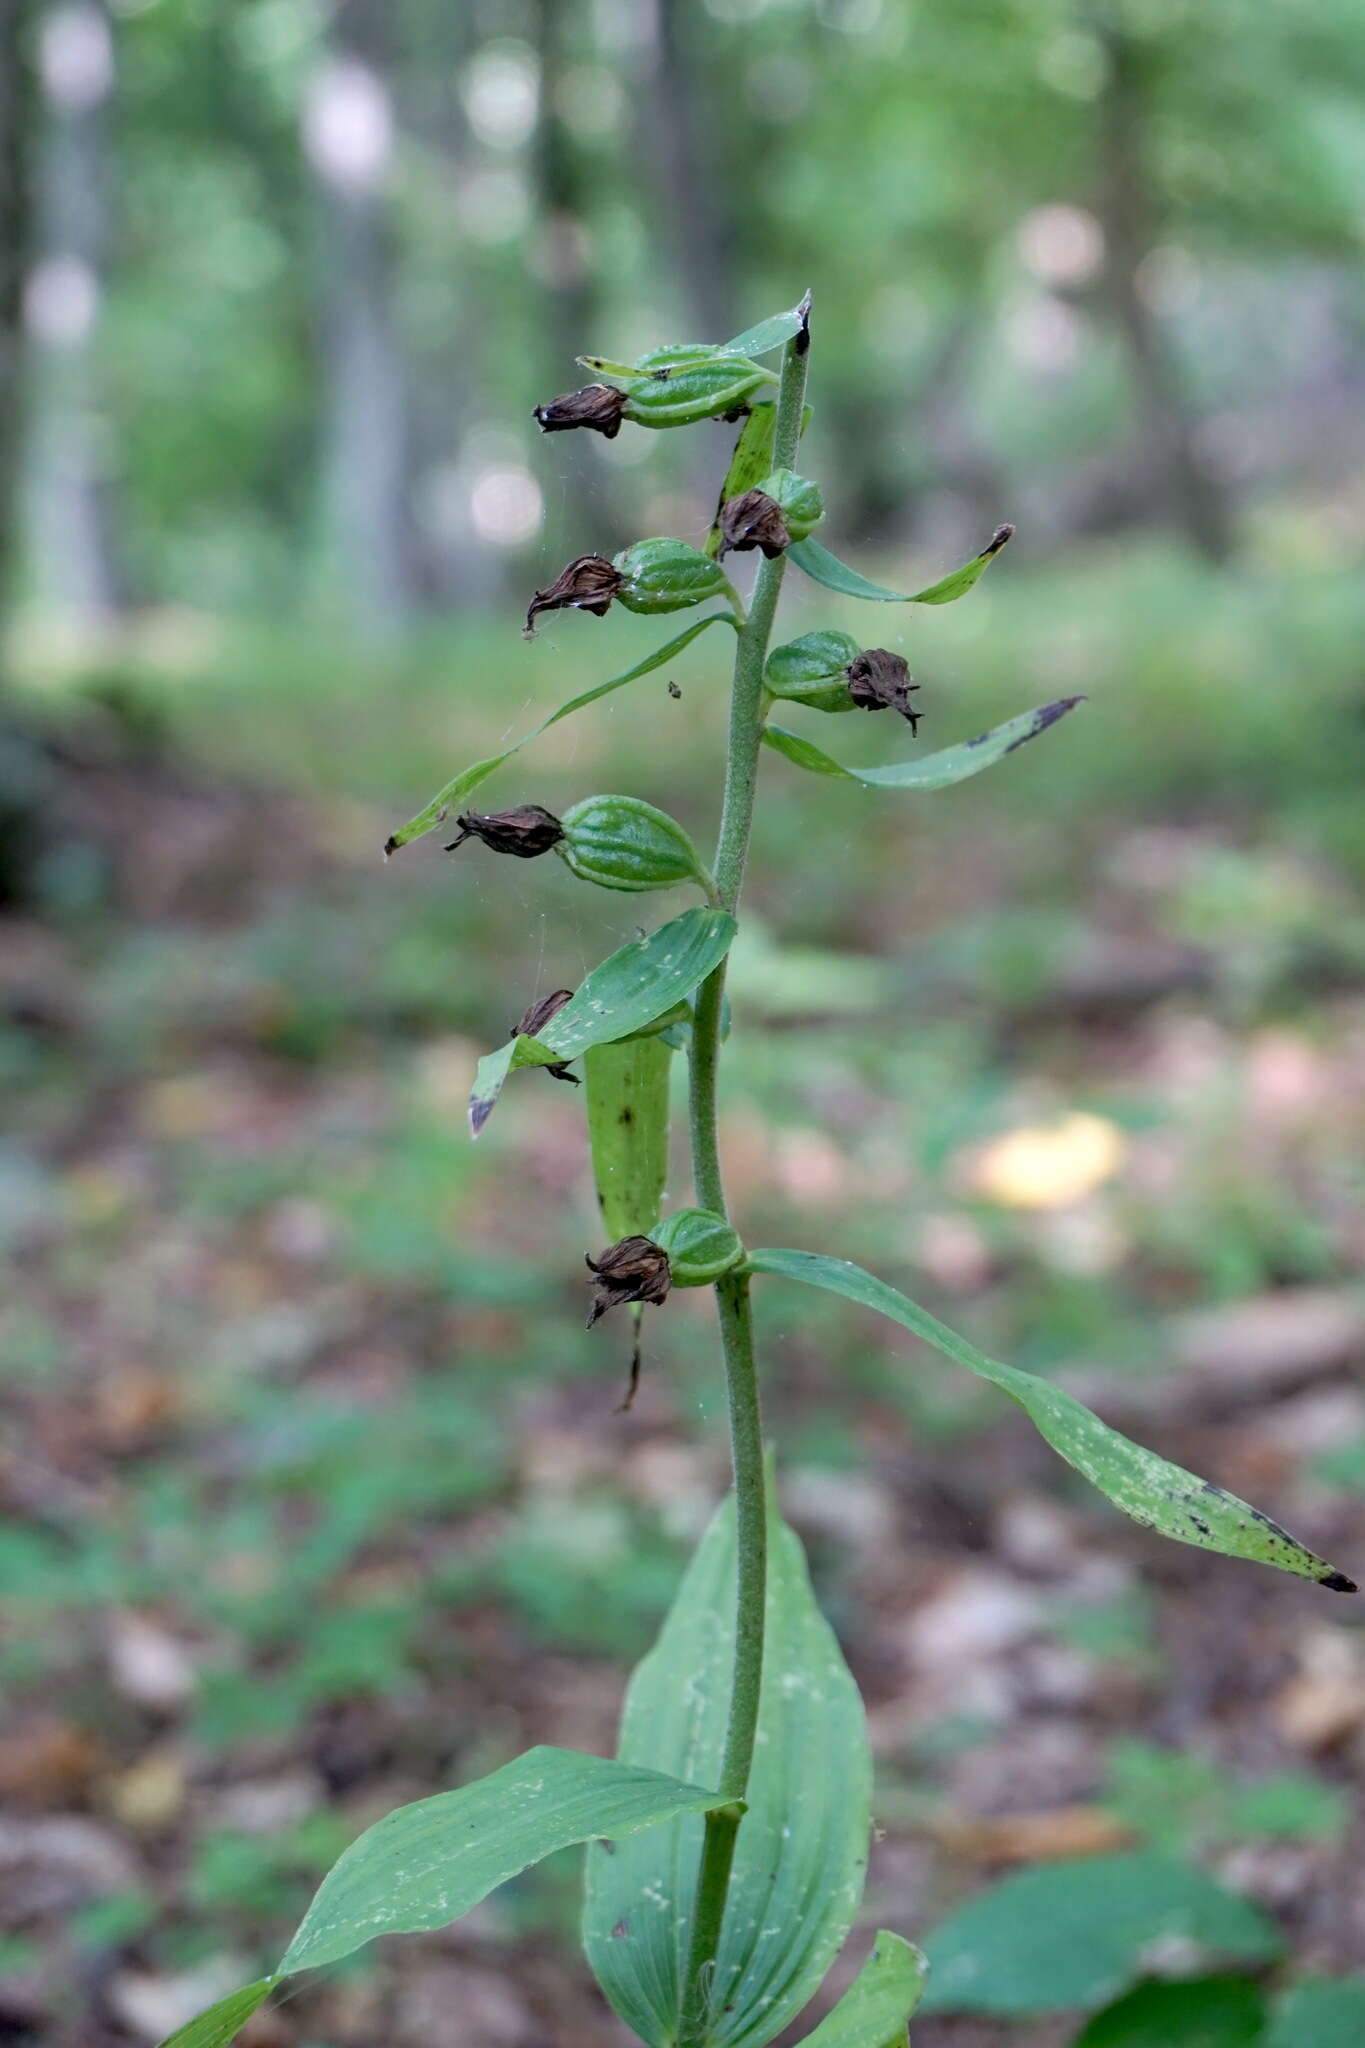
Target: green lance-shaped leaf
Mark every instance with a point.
(426, 1864)
(802, 1847)
(467, 781)
(751, 461)
(1079, 1932)
(621, 842)
(1320, 2014)
(771, 333)
(1208, 2012)
(927, 771)
(875, 2010)
(665, 575)
(752, 458)
(1159, 1495)
(222, 2022)
(759, 340)
(673, 355)
(701, 1247)
(627, 992)
(823, 567)
(626, 1084)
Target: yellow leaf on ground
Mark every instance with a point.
(1048, 1166)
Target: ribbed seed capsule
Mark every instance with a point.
(813, 670)
(799, 499)
(621, 842)
(830, 672)
(701, 1247)
(679, 393)
(664, 575)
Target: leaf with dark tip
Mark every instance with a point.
(1157, 1494)
(875, 2010)
(822, 567)
(626, 992)
(468, 780)
(220, 2023)
(928, 771)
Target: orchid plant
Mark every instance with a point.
(727, 1840)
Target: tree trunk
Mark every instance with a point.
(570, 273)
(70, 525)
(16, 225)
(681, 151)
(1194, 499)
(348, 135)
(452, 563)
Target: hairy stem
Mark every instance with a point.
(732, 1293)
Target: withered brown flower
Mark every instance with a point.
(589, 584)
(534, 1020)
(525, 831)
(598, 406)
(879, 680)
(633, 1269)
(753, 520)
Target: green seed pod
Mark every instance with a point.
(680, 393)
(802, 506)
(700, 1247)
(667, 576)
(620, 842)
(813, 670)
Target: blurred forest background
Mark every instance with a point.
(313, 1494)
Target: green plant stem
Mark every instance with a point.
(732, 1293)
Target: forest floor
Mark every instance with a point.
(315, 1494)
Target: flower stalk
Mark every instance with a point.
(732, 1291)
